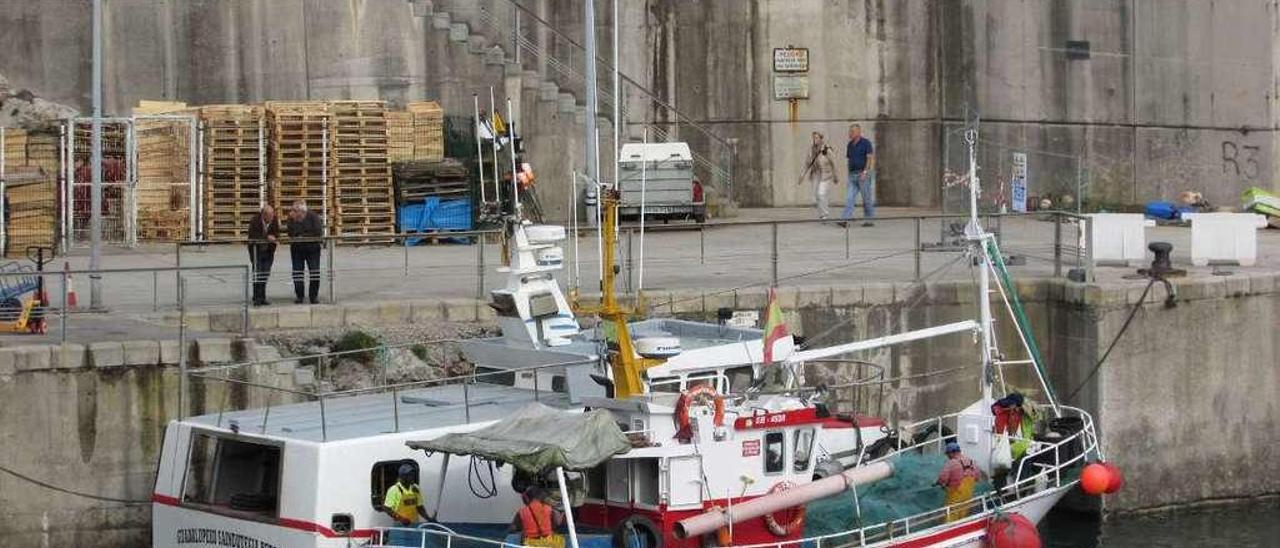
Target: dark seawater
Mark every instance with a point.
(1251, 523)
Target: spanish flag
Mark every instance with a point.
(775, 328)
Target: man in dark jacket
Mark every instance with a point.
(264, 228)
(305, 226)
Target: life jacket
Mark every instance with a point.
(1008, 419)
(535, 518)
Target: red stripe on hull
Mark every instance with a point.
(943, 536)
(287, 523)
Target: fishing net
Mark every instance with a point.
(909, 491)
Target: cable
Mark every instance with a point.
(52, 487)
(1132, 313)
(476, 480)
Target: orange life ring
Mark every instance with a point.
(787, 521)
(704, 393)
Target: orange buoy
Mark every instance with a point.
(1095, 479)
(1116, 481)
(1012, 531)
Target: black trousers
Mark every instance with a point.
(306, 256)
(261, 257)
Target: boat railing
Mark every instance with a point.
(1050, 476)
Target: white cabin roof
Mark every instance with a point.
(370, 415)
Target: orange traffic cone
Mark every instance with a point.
(71, 287)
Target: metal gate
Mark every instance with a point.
(165, 183)
(118, 205)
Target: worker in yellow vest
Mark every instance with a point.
(403, 501)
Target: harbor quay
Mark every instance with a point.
(88, 414)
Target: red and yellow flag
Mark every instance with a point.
(774, 326)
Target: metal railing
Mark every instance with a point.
(233, 288)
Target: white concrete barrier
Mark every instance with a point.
(1224, 237)
(1119, 237)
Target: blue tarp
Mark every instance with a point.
(433, 215)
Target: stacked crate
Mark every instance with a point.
(360, 171)
(299, 153)
(234, 144)
(164, 177)
(428, 130)
(31, 162)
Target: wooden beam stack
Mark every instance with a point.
(360, 170)
(299, 154)
(399, 136)
(234, 146)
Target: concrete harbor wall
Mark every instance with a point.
(1173, 94)
(1186, 403)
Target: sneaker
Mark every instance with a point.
(868, 223)
(315, 300)
(843, 224)
(297, 300)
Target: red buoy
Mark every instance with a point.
(1095, 479)
(1116, 481)
(1012, 531)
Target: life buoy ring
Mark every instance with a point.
(788, 521)
(702, 394)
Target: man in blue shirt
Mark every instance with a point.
(862, 175)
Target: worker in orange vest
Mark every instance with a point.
(958, 477)
(537, 520)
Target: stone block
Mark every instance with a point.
(328, 315)
(262, 352)
(7, 363)
(1073, 292)
(460, 310)
(716, 301)
(877, 293)
(141, 352)
(755, 298)
(846, 295)
(1032, 291)
(67, 356)
(293, 317)
(365, 314)
(304, 376)
(686, 302)
(393, 312)
(1261, 283)
(213, 350)
(813, 297)
(264, 318)
(197, 321)
(31, 357)
(1236, 285)
(226, 321)
(170, 353)
(484, 313)
(106, 354)
(425, 311)
(285, 367)
(458, 32)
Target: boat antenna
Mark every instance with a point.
(475, 110)
(978, 240)
(493, 129)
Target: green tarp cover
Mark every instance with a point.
(538, 438)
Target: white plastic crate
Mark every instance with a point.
(1119, 238)
(1224, 238)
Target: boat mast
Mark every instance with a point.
(978, 240)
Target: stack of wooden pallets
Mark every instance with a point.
(399, 136)
(31, 172)
(234, 145)
(419, 180)
(360, 171)
(299, 155)
(163, 172)
(428, 130)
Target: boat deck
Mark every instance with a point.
(358, 416)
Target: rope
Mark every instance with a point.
(1125, 327)
(53, 487)
(1020, 313)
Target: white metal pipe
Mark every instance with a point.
(444, 475)
(475, 109)
(95, 168)
(589, 26)
(644, 175)
(979, 238)
(617, 115)
(573, 225)
(878, 342)
(568, 508)
(716, 518)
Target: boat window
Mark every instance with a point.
(596, 478)
(384, 475)
(739, 378)
(644, 477)
(665, 384)
(701, 379)
(233, 474)
(774, 443)
(619, 487)
(802, 449)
